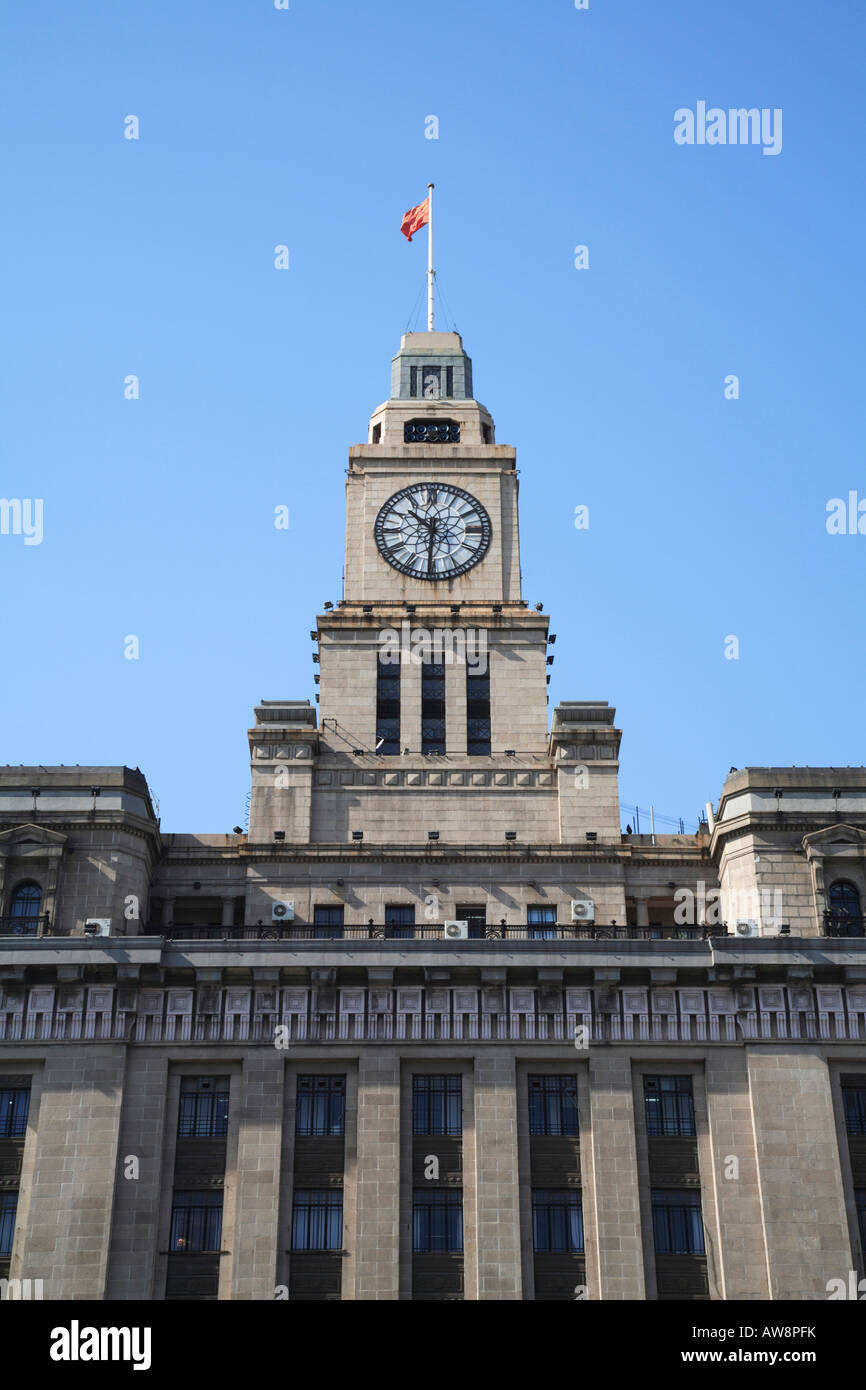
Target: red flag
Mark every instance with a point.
(415, 219)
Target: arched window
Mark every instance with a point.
(845, 915)
(24, 908)
(844, 898)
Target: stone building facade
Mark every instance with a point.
(434, 1027)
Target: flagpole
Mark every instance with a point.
(430, 271)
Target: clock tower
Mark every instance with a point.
(461, 546)
(432, 671)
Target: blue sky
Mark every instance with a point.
(307, 127)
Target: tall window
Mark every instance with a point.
(860, 1196)
(204, 1107)
(542, 922)
(388, 706)
(553, 1105)
(437, 1220)
(317, 1219)
(8, 1208)
(327, 922)
(14, 1109)
(196, 1222)
(844, 898)
(321, 1105)
(24, 908)
(477, 713)
(400, 920)
(677, 1225)
(854, 1098)
(436, 1105)
(433, 707)
(557, 1220)
(670, 1107)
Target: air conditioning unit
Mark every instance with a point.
(456, 931)
(283, 911)
(747, 927)
(582, 910)
(97, 926)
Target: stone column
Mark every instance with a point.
(799, 1171)
(228, 913)
(615, 1196)
(75, 1170)
(455, 704)
(377, 1230)
(742, 1253)
(50, 887)
(497, 1188)
(257, 1237)
(410, 704)
(642, 909)
(135, 1232)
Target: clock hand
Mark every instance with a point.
(430, 547)
(425, 521)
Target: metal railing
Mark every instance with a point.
(843, 924)
(25, 926)
(434, 931)
(835, 925)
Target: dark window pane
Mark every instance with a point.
(14, 1109)
(541, 922)
(437, 1105)
(8, 1208)
(553, 1105)
(677, 1225)
(557, 1220)
(400, 920)
(844, 898)
(196, 1221)
(670, 1108)
(402, 915)
(536, 915)
(321, 1105)
(327, 923)
(317, 1219)
(437, 1221)
(854, 1098)
(433, 736)
(477, 714)
(860, 1196)
(476, 917)
(24, 909)
(204, 1110)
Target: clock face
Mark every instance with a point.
(432, 531)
